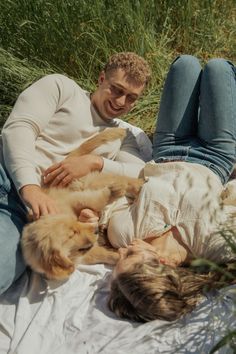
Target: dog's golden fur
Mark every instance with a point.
(55, 244)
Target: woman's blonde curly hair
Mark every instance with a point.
(135, 67)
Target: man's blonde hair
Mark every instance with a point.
(153, 291)
(135, 67)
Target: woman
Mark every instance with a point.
(178, 212)
(143, 288)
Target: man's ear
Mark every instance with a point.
(101, 77)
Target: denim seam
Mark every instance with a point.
(4, 191)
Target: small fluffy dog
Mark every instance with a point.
(55, 244)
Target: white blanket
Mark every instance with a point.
(46, 317)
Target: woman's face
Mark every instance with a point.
(137, 252)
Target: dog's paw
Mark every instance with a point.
(112, 257)
(117, 190)
(100, 254)
(135, 186)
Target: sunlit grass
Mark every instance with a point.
(75, 37)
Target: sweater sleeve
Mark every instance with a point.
(128, 161)
(31, 113)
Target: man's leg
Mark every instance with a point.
(178, 115)
(217, 120)
(12, 220)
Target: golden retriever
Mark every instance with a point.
(55, 244)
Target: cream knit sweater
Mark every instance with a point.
(51, 118)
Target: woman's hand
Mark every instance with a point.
(39, 202)
(63, 173)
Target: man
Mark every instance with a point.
(51, 118)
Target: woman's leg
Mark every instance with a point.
(217, 120)
(178, 115)
(12, 220)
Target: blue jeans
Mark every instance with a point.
(12, 219)
(197, 117)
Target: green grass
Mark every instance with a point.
(75, 37)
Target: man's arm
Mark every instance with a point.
(125, 164)
(128, 161)
(63, 173)
(31, 113)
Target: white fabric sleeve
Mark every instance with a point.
(127, 165)
(31, 113)
(129, 158)
(143, 141)
(120, 231)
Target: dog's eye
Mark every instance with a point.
(85, 247)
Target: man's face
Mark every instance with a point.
(115, 95)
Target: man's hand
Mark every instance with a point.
(39, 202)
(63, 173)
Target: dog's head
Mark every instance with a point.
(52, 245)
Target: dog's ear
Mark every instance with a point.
(42, 248)
(57, 266)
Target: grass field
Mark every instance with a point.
(75, 37)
